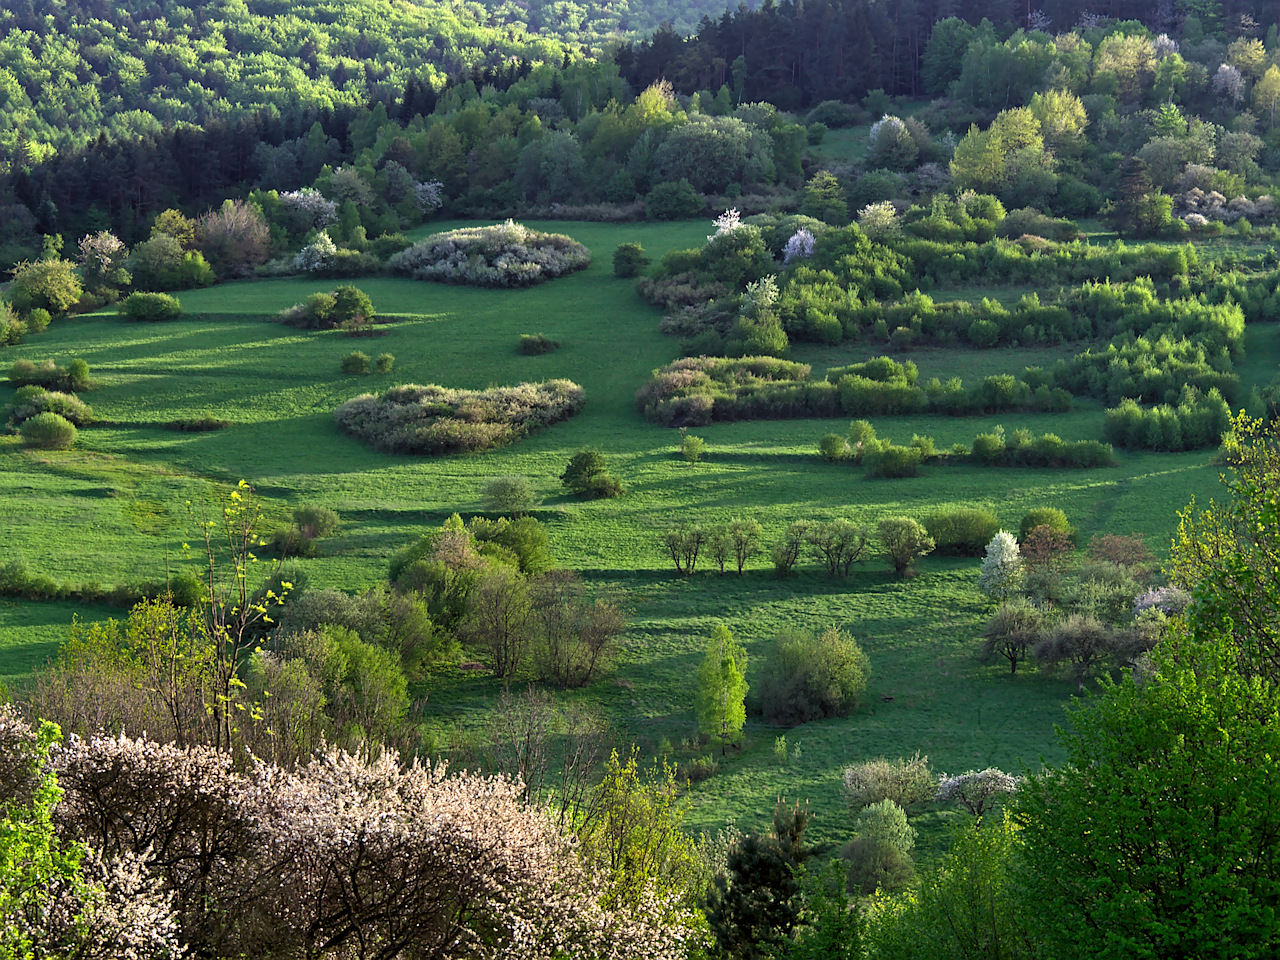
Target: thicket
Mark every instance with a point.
(150, 307)
(32, 401)
(73, 378)
(1196, 421)
(506, 255)
(696, 391)
(810, 676)
(438, 420)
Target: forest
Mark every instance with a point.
(616, 480)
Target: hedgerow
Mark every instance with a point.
(1196, 421)
(506, 255)
(32, 401)
(437, 420)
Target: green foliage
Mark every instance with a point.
(534, 344)
(1051, 517)
(433, 419)
(383, 362)
(1108, 877)
(903, 541)
(722, 687)
(357, 362)
(587, 475)
(352, 310)
(692, 448)
(507, 255)
(754, 907)
(810, 676)
(150, 307)
(513, 495)
(51, 285)
(48, 431)
(963, 531)
(1194, 423)
(629, 260)
(673, 201)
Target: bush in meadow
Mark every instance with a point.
(506, 255)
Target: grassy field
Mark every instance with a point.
(114, 509)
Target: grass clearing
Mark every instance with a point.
(114, 509)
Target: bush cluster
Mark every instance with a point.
(811, 676)
(587, 475)
(438, 420)
(29, 402)
(535, 344)
(310, 523)
(345, 307)
(150, 307)
(1196, 421)
(962, 531)
(73, 378)
(506, 255)
(205, 423)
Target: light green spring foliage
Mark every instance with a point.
(722, 687)
(886, 822)
(34, 865)
(967, 908)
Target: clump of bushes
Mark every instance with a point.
(437, 420)
(587, 475)
(356, 362)
(812, 676)
(150, 307)
(533, 344)
(346, 307)
(963, 531)
(383, 362)
(1051, 517)
(49, 431)
(32, 401)
(1196, 421)
(697, 390)
(506, 255)
(206, 423)
(73, 378)
(310, 523)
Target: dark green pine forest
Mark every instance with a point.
(793, 481)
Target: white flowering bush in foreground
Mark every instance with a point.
(435, 419)
(506, 255)
(343, 858)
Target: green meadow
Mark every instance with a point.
(115, 509)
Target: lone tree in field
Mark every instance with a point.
(903, 541)
(722, 687)
(1002, 567)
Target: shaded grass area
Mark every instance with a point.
(114, 509)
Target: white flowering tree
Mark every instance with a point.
(317, 255)
(878, 220)
(1001, 568)
(310, 208)
(727, 222)
(977, 790)
(799, 246)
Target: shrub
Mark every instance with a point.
(1050, 517)
(33, 401)
(356, 362)
(316, 521)
(533, 344)
(384, 362)
(700, 768)
(314, 313)
(51, 285)
(629, 260)
(507, 255)
(38, 320)
(352, 310)
(810, 677)
(903, 541)
(202, 424)
(786, 552)
(674, 201)
(834, 447)
(905, 782)
(692, 448)
(150, 307)
(73, 378)
(513, 495)
(1013, 632)
(49, 431)
(587, 475)
(963, 532)
(888, 460)
(437, 420)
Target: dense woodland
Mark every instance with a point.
(922, 214)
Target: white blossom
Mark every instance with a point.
(800, 245)
(976, 790)
(728, 221)
(1002, 567)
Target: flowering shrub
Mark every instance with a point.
(800, 245)
(697, 390)
(1168, 600)
(343, 855)
(977, 789)
(317, 255)
(507, 255)
(437, 420)
(310, 207)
